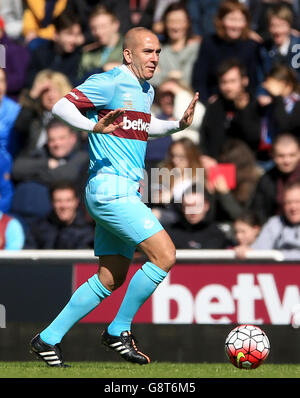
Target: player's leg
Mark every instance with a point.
(88, 296)
(112, 272)
(160, 250)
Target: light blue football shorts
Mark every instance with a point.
(122, 219)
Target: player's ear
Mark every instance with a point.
(127, 55)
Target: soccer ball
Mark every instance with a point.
(247, 346)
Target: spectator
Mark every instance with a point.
(231, 203)
(268, 197)
(283, 114)
(182, 96)
(230, 40)
(106, 52)
(280, 47)
(6, 185)
(12, 13)
(62, 54)
(281, 232)
(48, 87)
(202, 14)
(16, 63)
(11, 233)
(193, 230)
(157, 148)
(183, 164)
(59, 160)
(65, 227)
(259, 10)
(9, 110)
(38, 18)
(179, 47)
(246, 229)
(234, 114)
(181, 168)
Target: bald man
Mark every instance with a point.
(115, 108)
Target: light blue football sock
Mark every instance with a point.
(140, 288)
(82, 302)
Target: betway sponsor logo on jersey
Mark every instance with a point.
(138, 124)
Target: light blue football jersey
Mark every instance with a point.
(123, 151)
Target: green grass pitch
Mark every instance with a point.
(160, 370)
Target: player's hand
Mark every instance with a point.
(188, 115)
(108, 123)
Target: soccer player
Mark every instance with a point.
(114, 107)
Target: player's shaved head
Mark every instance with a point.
(133, 36)
(141, 50)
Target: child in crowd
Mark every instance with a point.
(246, 229)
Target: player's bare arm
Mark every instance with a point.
(188, 115)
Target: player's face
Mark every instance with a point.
(291, 205)
(65, 204)
(142, 58)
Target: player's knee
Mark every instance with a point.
(171, 258)
(166, 259)
(113, 283)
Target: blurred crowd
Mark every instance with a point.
(229, 181)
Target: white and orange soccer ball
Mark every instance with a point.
(247, 346)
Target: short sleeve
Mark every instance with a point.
(97, 91)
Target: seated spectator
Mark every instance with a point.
(59, 160)
(230, 203)
(281, 232)
(16, 63)
(9, 110)
(65, 227)
(106, 51)
(246, 229)
(183, 164)
(234, 114)
(36, 104)
(38, 18)
(179, 47)
(181, 168)
(283, 113)
(279, 47)
(6, 185)
(230, 40)
(12, 235)
(268, 197)
(193, 230)
(62, 54)
(182, 95)
(259, 10)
